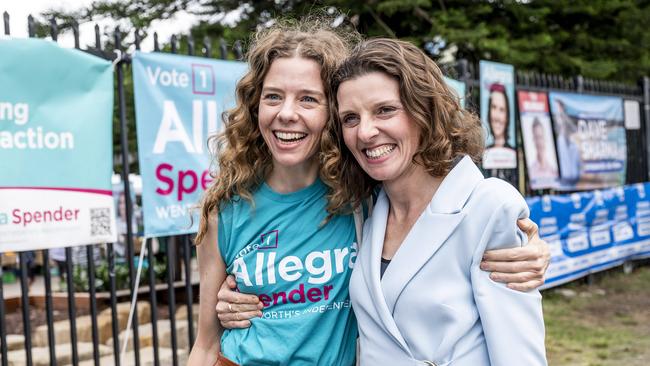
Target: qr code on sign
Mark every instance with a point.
(100, 221)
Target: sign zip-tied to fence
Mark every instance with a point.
(134, 298)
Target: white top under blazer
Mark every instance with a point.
(434, 306)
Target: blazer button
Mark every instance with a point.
(430, 363)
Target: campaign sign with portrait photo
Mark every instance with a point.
(179, 101)
(539, 144)
(590, 140)
(56, 146)
(497, 115)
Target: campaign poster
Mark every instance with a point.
(539, 144)
(498, 115)
(179, 101)
(459, 88)
(590, 140)
(56, 147)
(591, 231)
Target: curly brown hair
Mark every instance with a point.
(242, 158)
(446, 129)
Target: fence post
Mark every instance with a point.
(153, 301)
(189, 294)
(98, 38)
(171, 295)
(190, 45)
(172, 250)
(31, 29)
(207, 47)
(580, 84)
(187, 258)
(51, 342)
(24, 304)
(646, 115)
(124, 142)
(174, 44)
(239, 54)
(223, 49)
(110, 253)
(136, 34)
(54, 30)
(3, 332)
(93, 301)
(5, 15)
(72, 305)
(75, 32)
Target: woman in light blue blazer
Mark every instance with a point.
(417, 290)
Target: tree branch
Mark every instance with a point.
(381, 23)
(422, 14)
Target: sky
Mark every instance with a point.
(20, 9)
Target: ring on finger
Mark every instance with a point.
(230, 308)
(237, 316)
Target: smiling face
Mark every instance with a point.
(498, 115)
(376, 128)
(292, 112)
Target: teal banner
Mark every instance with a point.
(179, 101)
(56, 158)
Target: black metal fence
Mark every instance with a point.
(177, 257)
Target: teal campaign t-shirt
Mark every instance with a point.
(279, 250)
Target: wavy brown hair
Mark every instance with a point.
(447, 130)
(242, 158)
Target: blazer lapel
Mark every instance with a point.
(437, 222)
(425, 238)
(369, 259)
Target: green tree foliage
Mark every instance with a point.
(604, 39)
(601, 39)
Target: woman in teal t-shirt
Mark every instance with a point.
(268, 218)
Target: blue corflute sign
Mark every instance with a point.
(592, 231)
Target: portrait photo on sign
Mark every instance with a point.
(539, 145)
(497, 115)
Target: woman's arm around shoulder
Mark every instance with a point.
(512, 321)
(521, 268)
(212, 271)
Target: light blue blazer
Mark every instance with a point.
(434, 306)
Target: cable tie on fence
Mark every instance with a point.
(117, 59)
